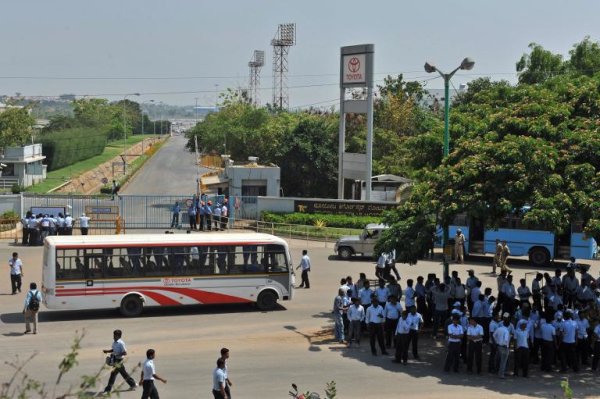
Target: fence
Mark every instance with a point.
(135, 211)
(9, 229)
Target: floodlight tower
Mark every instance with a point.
(283, 40)
(255, 64)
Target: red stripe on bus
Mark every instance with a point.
(205, 297)
(162, 300)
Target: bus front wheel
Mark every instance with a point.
(539, 256)
(131, 306)
(267, 300)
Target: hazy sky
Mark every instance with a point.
(176, 51)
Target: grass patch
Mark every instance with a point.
(308, 232)
(59, 176)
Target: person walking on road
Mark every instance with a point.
(228, 384)
(219, 380)
(305, 265)
(504, 257)
(118, 352)
(31, 308)
(16, 272)
(148, 376)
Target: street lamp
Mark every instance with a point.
(467, 64)
(125, 123)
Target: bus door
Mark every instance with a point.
(476, 237)
(582, 246)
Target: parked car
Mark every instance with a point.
(363, 244)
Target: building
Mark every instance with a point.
(386, 188)
(22, 166)
(249, 179)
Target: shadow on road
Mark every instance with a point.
(69, 315)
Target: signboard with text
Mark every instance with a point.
(342, 207)
(354, 69)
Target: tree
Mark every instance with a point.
(15, 126)
(585, 57)
(308, 159)
(514, 147)
(539, 65)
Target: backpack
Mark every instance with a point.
(34, 302)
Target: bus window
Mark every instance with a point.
(68, 265)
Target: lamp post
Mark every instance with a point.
(466, 64)
(125, 123)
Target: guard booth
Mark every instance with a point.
(105, 220)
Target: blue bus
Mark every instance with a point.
(540, 245)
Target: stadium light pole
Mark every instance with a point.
(467, 64)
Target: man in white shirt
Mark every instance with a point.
(375, 319)
(455, 335)
(392, 312)
(148, 376)
(68, 225)
(356, 315)
(402, 339)
(16, 272)
(219, 382)
(416, 321)
(522, 345)
(228, 384)
(118, 351)
(502, 340)
(305, 265)
(84, 224)
(475, 345)
(224, 216)
(568, 329)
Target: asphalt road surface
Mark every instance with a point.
(171, 171)
(269, 350)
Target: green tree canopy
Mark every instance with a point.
(15, 126)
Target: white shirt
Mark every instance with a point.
(455, 330)
(365, 296)
(68, 221)
(195, 253)
(305, 262)
(148, 370)
(382, 294)
(356, 313)
(118, 348)
(474, 331)
(416, 320)
(218, 379)
(502, 336)
(15, 266)
(403, 326)
(375, 314)
(224, 211)
(392, 311)
(84, 221)
(522, 336)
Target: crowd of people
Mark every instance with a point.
(37, 227)
(202, 215)
(553, 322)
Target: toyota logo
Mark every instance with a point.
(354, 65)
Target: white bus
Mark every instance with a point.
(138, 270)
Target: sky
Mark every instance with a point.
(183, 52)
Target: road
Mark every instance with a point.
(171, 171)
(269, 350)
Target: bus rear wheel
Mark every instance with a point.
(539, 256)
(267, 300)
(131, 306)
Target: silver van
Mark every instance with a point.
(363, 244)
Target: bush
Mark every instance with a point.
(17, 188)
(9, 215)
(319, 219)
(65, 147)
